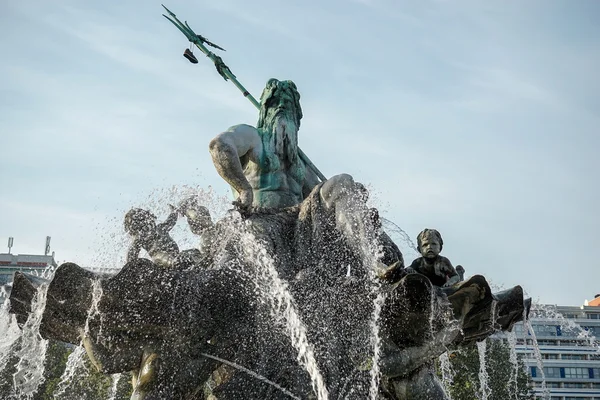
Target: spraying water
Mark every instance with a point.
(511, 338)
(277, 294)
(484, 388)
(396, 232)
(76, 358)
(9, 333)
(447, 373)
(538, 357)
(376, 343)
(32, 352)
(115, 378)
(566, 325)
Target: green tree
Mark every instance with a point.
(504, 379)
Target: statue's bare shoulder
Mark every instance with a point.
(244, 138)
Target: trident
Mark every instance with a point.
(226, 73)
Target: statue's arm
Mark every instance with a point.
(414, 266)
(450, 273)
(227, 148)
(170, 221)
(134, 250)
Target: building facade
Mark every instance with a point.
(27, 263)
(565, 362)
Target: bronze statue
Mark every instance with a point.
(437, 268)
(150, 236)
(292, 243)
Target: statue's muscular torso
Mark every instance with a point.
(260, 179)
(272, 188)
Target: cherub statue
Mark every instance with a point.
(437, 268)
(152, 237)
(199, 220)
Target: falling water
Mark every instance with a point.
(538, 357)
(566, 325)
(394, 230)
(32, 351)
(484, 388)
(76, 358)
(282, 305)
(9, 332)
(114, 387)
(376, 344)
(511, 338)
(447, 373)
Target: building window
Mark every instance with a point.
(569, 342)
(546, 330)
(550, 356)
(592, 316)
(576, 385)
(581, 373)
(551, 372)
(573, 356)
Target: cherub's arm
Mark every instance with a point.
(414, 266)
(450, 272)
(170, 221)
(134, 250)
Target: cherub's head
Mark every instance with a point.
(138, 220)
(429, 243)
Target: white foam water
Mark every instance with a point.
(538, 358)
(484, 388)
(376, 344)
(115, 378)
(276, 292)
(32, 350)
(9, 333)
(76, 359)
(447, 373)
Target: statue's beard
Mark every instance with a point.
(284, 137)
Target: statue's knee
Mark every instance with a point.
(344, 180)
(336, 187)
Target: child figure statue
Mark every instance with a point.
(437, 268)
(199, 220)
(152, 237)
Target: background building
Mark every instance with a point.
(569, 354)
(28, 263)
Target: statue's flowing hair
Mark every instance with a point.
(275, 146)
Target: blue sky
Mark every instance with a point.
(476, 118)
